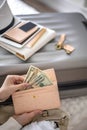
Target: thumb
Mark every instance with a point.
(21, 86)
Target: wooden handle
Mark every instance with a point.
(36, 38)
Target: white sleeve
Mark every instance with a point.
(11, 124)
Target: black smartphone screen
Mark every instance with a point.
(28, 26)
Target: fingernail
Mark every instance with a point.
(40, 112)
(26, 85)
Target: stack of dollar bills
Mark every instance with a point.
(37, 78)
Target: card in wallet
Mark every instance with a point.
(42, 98)
(21, 32)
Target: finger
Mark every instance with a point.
(32, 114)
(15, 79)
(26, 118)
(21, 86)
(19, 78)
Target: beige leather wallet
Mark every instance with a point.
(42, 98)
(18, 35)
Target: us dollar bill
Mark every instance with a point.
(42, 80)
(37, 78)
(31, 73)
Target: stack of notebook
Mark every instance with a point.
(25, 38)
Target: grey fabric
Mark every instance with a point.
(69, 68)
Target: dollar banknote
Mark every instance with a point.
(37, 78)
(32, 72)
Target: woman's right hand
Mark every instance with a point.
(11, 84)
(26, 118)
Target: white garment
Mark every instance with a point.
(11, 124)
(42, 125)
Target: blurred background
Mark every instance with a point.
(22, 7)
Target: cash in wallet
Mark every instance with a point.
(36, 78)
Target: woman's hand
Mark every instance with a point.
(11, 84)
(26, 118)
